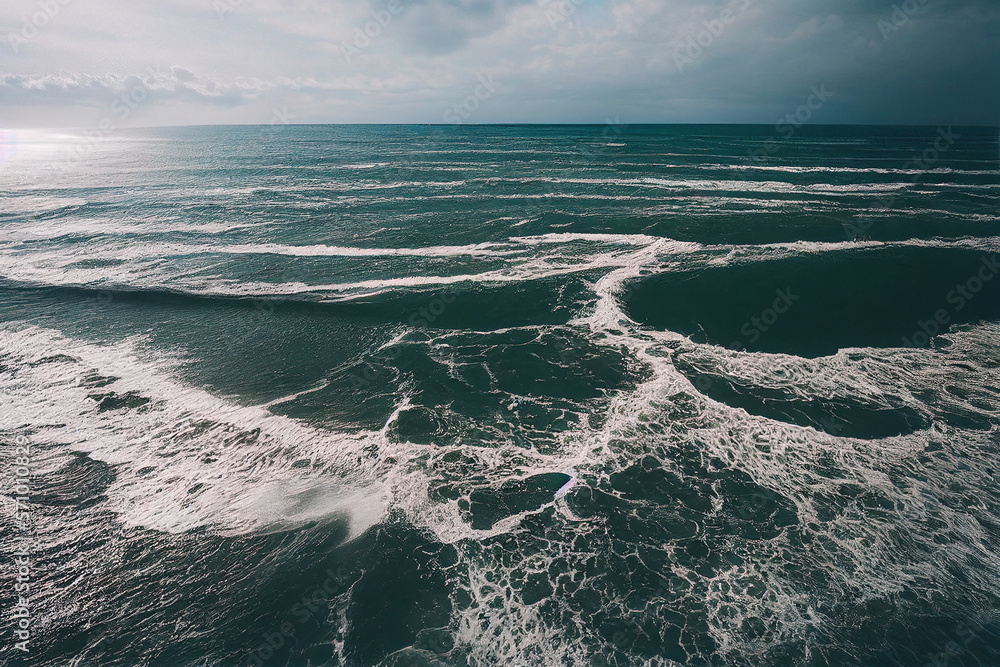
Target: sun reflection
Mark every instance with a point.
(8, 145)
(42, 152)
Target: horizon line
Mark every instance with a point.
(508, 124)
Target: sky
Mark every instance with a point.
(120, 63)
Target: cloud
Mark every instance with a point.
(553, 60)
(444, 26)
(98, 89)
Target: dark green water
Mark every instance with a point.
(527, 395)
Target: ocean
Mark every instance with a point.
(466, 396)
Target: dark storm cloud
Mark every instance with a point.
(444, 26)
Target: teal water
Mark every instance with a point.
(523, 395)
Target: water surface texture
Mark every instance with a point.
(475, 396)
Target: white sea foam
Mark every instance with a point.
(212, 462)
(55, 229)
(23, 205)
(473, 250)
(258, 471)
(141, 266)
